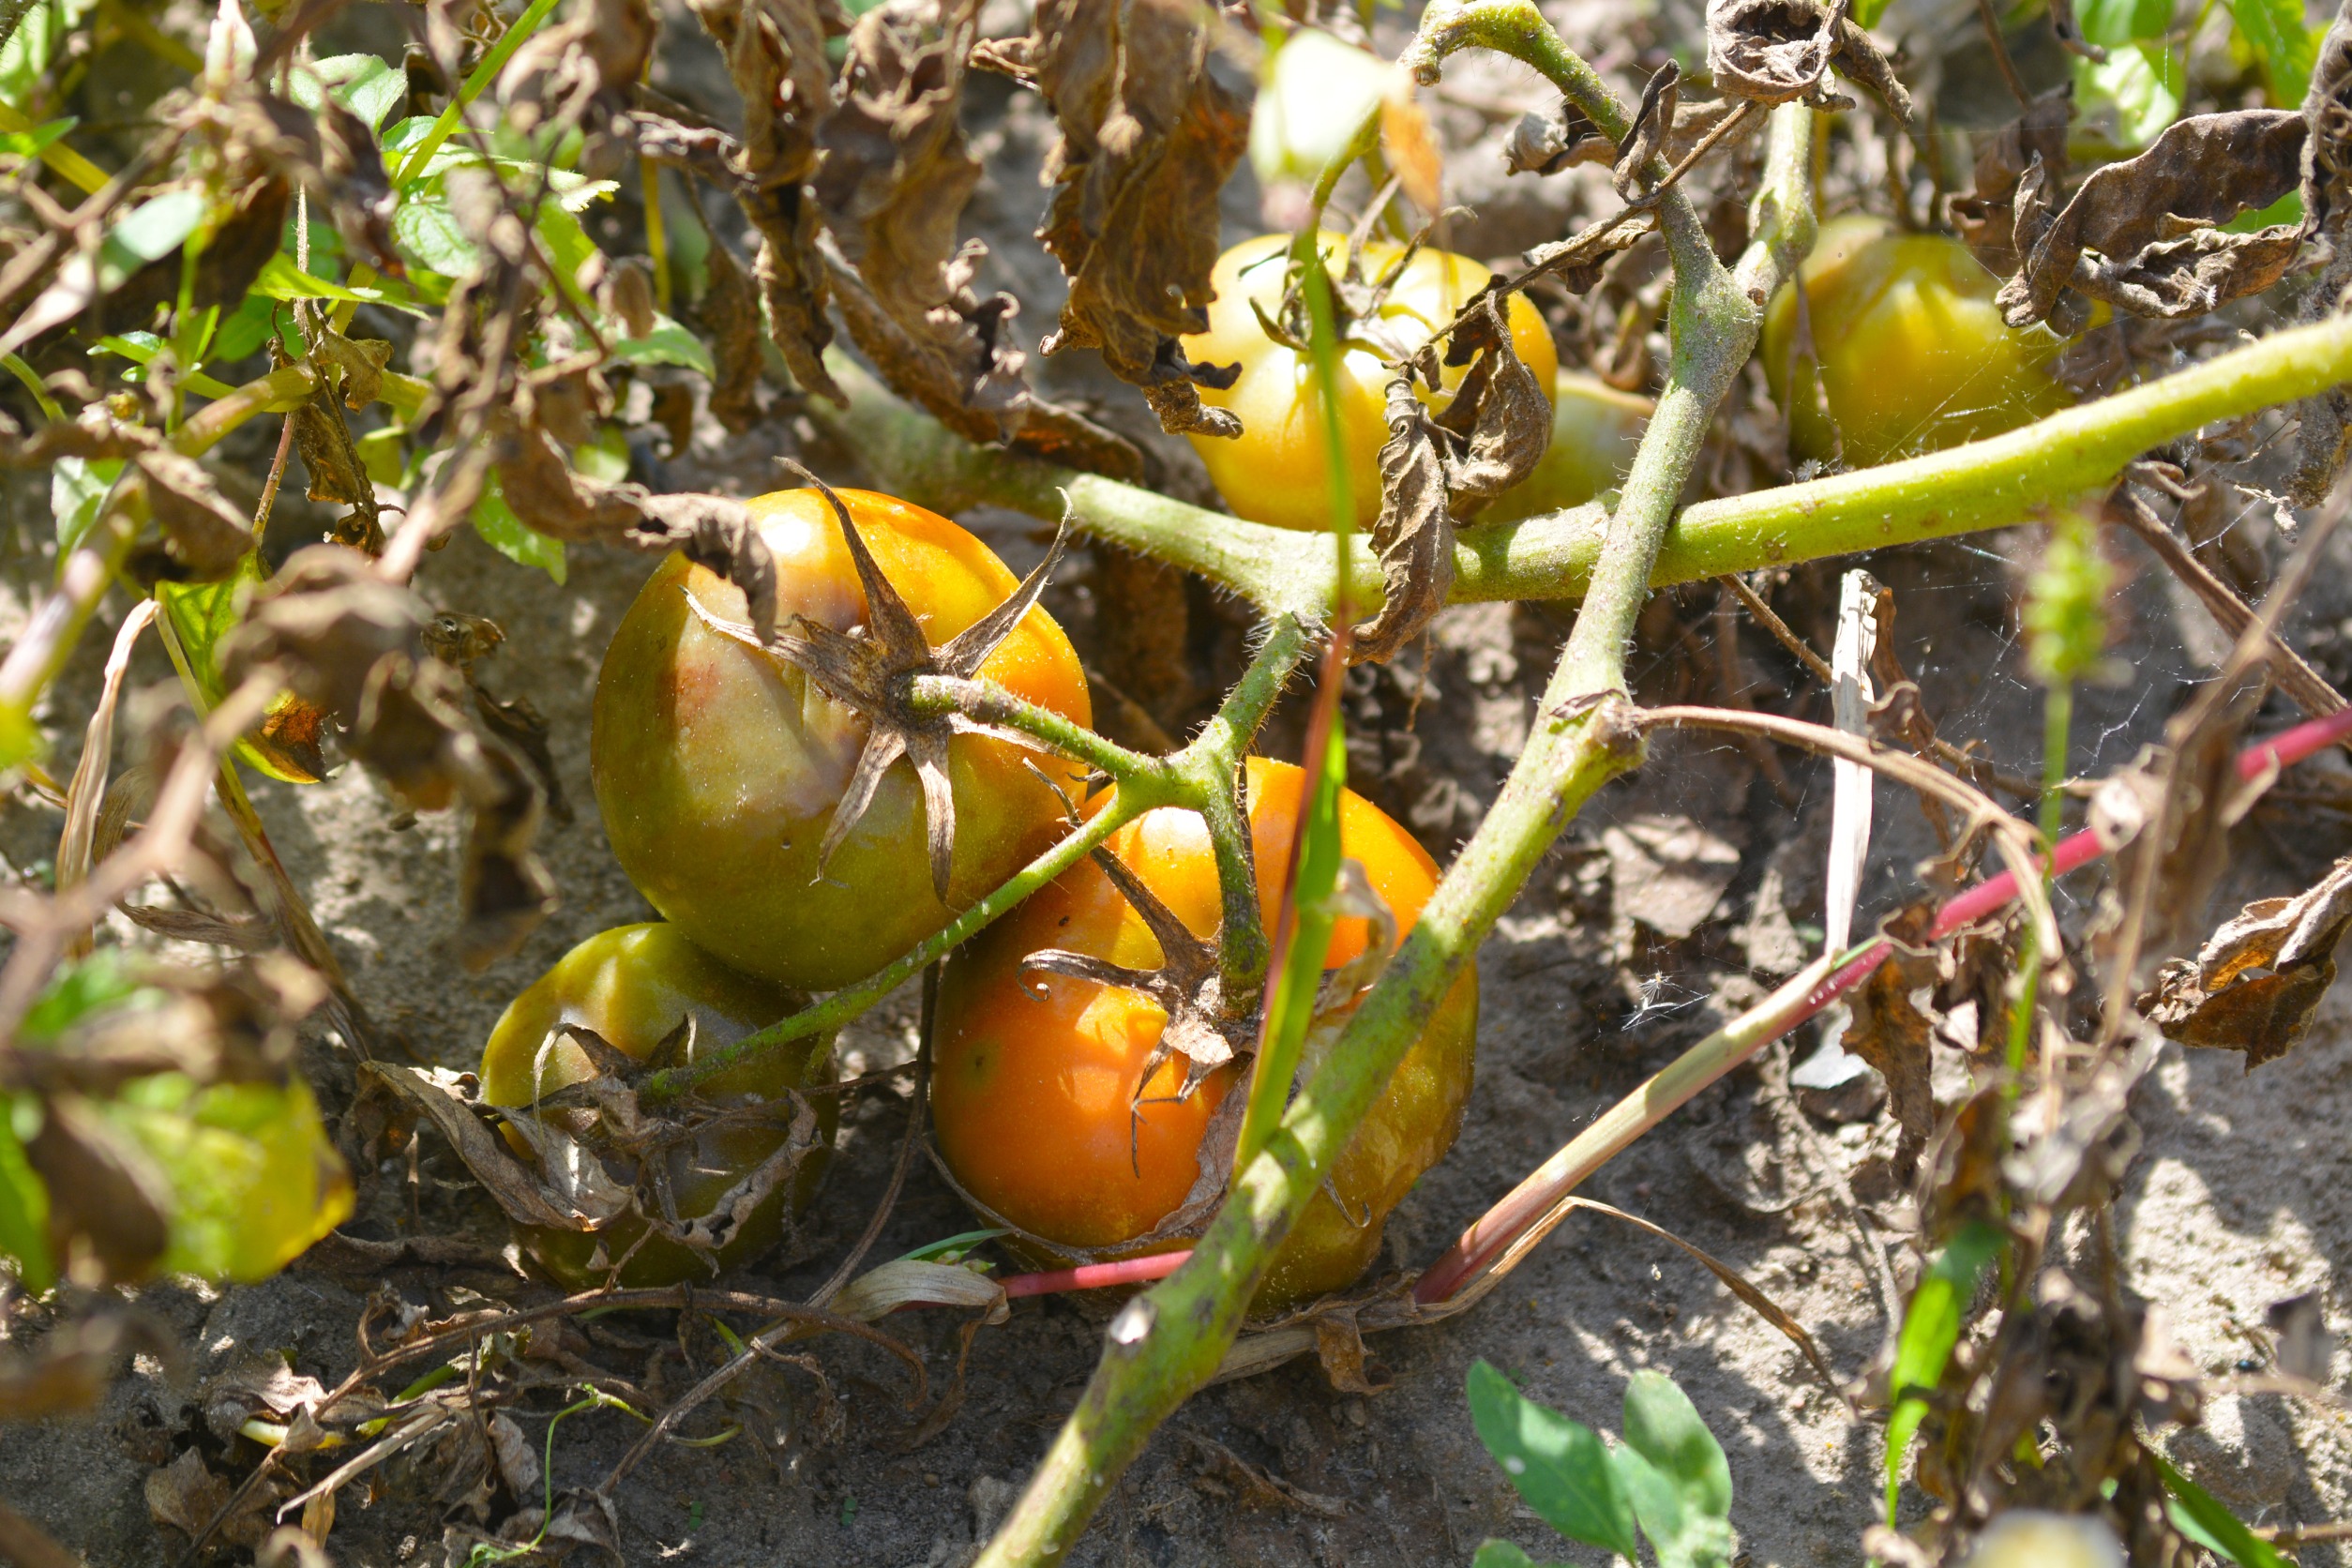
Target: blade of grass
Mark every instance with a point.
(64, 159)
(1304, 917)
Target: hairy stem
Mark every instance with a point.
(1166, 1344)
(2041, 468)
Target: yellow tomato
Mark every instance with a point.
(1273, 472)
(1913, 355)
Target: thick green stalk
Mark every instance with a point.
(1166, 1344)
(2044, 467)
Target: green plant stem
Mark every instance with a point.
(2038, 470)
(1199, 777)
(1166, 1344)
(990, 703)
(2057, 725)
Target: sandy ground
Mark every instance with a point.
(2236, 1201)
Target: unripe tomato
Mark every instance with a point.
(1914, 356)
(1273, 472)
(717, 766)
(1596, 429)
(1037, 1086)
(633, 986)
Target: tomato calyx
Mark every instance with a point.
(874, 673)
(1202, 1027)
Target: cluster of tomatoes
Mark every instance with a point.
(720, 768)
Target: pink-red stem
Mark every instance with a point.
(1476, 1248)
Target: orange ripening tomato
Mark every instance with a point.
(1273, 472)
(1037, 1089)
(633, 986)
(717, 766)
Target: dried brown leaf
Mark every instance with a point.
(1891, 1033)
(2257, 984)
(730, 312)
(1654, 123)
(1148, 137)
(2143, 235)
(775, 56)
(1985, 218)
(205, 538)
(1775, 52)
(2325, 437)
(108, 1207)
(448, 1100)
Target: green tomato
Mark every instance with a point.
(634, 985)
(1913, 355)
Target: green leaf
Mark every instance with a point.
(668, 343)
(1675, 1474)
(606, 458)
(103, 980)
(35, 44)
(254, 1179)
(2200, 1517)
(426, 232)
(279, 279)
(1502, 1554)
(2141, 83)
(1558, 1465)
(362, 84)
(28, 143)
(950, 1250)
(244, 332)
(1931, 1327)
(1867, 12)
(2275, 33)
(152, 231)
(513, 538)
(78, 488)
(23, 1200)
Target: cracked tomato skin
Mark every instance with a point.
(1913, 354)
(1273, 472)
(633, 985)
(1034, 1075)
(717, 766)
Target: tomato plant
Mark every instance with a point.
(1911, 351)
(635, 985)
(1051, 1111)
(719, 765)
(1273, 472)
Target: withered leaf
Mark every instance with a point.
(1544, 142)
(1414, 532)
(1775, 52)
(188, 1497)
(897, 172)
(1985, 218)
(730, 313)
(205, 538)
(1891, 1033)
(2142, 234)
(2257, 984)
(1434, 470)
(1654, 123)
(775, 56)
(446, 1101)
(107, 1204)
(1148, 137)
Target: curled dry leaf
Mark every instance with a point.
(730, 313)
(1775, 52)
(1891, 1033)
(1544, 142)
(1149, 136)
(2257, 984)
(1653, 124)
(913, 1282)
(205, 538)
(1985, 218)
(897, 172)
(775, 56)
(1436, 470)
(2143, 235)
